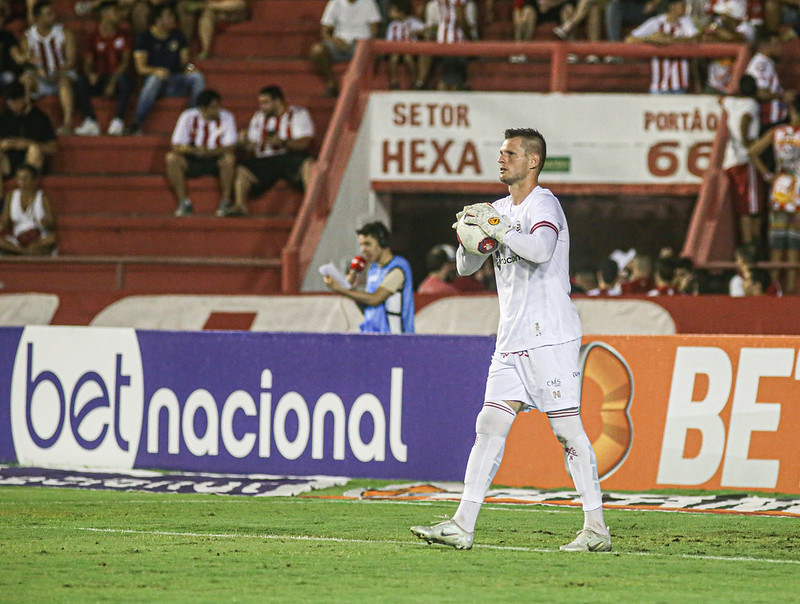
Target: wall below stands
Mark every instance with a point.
(455, 315)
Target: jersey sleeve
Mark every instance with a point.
(302, 124)
(180, 134)
(647, 28)
(228, 123)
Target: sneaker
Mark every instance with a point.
(185, 208)
(612, 60)
(224, 207)
(589, 541)
(516, 59)
(561, 32)
(116, 127)
(445, 533)
(593, 59)
(235, 211)
(572, 58)
(135, 130)
(89, 127)
(64, 130)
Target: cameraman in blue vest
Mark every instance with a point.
(388, 297)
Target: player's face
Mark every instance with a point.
(515, 163)
(369, 248)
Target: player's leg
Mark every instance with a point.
(491, 426)
(557, 393)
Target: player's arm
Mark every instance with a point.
(468, 264)
(537, 246)
(757, 149)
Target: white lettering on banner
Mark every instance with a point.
(747, 416)
(272, 425)
(77, 397)
(430, 157)
(77, 400)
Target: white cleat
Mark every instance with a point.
(445, 533)
(589, 541)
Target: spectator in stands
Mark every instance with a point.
(404, 27)
(685, 282)
(583, 281)
(757, 282)
(590, 11)
(779, 14)
(10, 52)
(529, 13)
(161, 57)
(441, 264)
(28, 224)
(784, 197)
(664, 275)
(773, 98)
(26, 133)
(388, 298)
(106, 71)
(49, 50)
(607, 279)
(744, 184)
(449, 22)
(344, 23)
(640, 275)
(674, 26)
(203, 144)
(279, 137)
(211, 13)
(729, 25)
(139, 13)
(627, 12)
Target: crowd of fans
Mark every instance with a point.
(151, 46)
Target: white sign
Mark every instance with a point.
(591, 138)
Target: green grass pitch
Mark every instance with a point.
(59, 545)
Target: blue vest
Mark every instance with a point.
(396, 313)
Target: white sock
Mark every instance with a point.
(491, 428)
(568, 428)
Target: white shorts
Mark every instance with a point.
(546, 378)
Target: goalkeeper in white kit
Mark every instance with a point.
(535, 362)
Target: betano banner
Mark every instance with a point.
(591, 138)
(662, 411)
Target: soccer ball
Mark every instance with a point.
(473, 239)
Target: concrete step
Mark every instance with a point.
(201, 236)
(149, 195)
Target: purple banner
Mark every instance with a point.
(288, 404)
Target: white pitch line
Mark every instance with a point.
(394, 542)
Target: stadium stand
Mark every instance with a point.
(117, 236)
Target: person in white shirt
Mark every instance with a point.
(203, 144)
(344, 23)
(774, 100)
(403, 27)
(279, 137)
(744, 184)
(535, 363)
(668, 75)
(27, 219)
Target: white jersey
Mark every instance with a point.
(736, 149)
(762, 68)
(442, 15)
(535, 307)
(193, 129)
(351, 20)
(25, 220)
(404, 30)
(48, 51)
(292, 124)
(667, 75)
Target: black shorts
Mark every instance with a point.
(269, 170)
(552, 15)
(201, 166)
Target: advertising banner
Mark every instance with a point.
(591, 138)
(696, 412)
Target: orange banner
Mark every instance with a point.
(692, 412)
